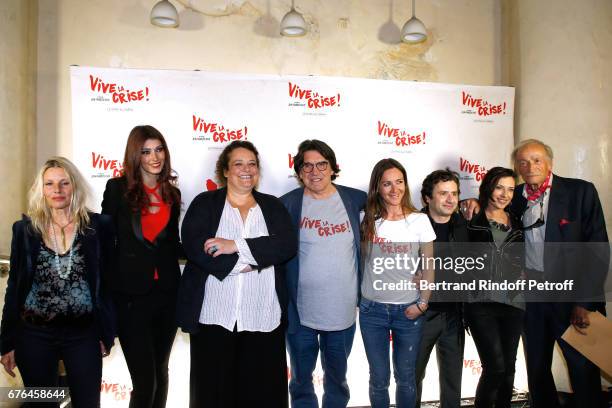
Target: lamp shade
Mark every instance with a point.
(293, 24)
(164, 14)
(414, 31)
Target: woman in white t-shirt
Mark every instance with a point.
(397, 239)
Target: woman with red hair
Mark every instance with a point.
(145, 205)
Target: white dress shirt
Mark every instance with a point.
(246, 300)
(535, 237)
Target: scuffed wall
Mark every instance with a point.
(17, 109)
(558, 55)
(356, 38)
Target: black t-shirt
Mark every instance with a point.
(442, 231)
(442, 235)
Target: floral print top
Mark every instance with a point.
(53, 298)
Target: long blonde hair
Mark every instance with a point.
(39, 211)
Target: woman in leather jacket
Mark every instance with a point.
(495, 316)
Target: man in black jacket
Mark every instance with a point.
(443, 327)
(566, 239)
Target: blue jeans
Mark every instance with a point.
(303, 347)
(376, 321)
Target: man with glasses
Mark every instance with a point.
(323, 279)
(559, 210)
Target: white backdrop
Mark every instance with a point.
(425, 126)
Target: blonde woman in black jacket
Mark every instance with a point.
(56, 304)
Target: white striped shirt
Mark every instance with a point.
(245, 300)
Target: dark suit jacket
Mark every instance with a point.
(574, 215)
(137, 258)
(201, 222)
(97, 243)
(354, 201)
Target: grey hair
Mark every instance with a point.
(523, 143)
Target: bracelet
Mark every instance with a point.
(419, 307)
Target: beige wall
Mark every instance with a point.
(41, 39)
(17, 109)
(343, 41)
(558, 54)
(562, 75)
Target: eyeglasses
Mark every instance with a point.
(146, 151)
(539, 222)
(321, 166)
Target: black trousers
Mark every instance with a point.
(544, 324)
(445, 331)
(147, 328)
(39, 349)
(496, 329)
(238, 369)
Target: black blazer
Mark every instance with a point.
(201, 223)
(574, 217)
(97, 243)
(137, 258)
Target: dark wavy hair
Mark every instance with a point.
(323, 149)
(375, 205)
(489, 182)
(435, 177)
(167, 179)
(224, 158)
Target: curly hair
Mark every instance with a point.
(435, 177)
(224, 158)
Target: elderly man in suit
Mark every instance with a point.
(565, 239)
(557, 211)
